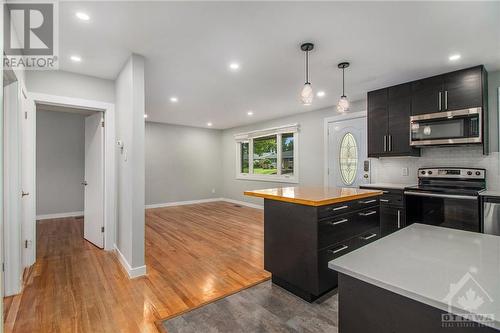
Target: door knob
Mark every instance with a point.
(84, 183)
(23, 194)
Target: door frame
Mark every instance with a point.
(326, 123)
(109, 156)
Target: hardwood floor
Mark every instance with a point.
(194, 254)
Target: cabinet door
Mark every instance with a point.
(377, 122)
(463, 89)
(399, 109)
(391, 219)
(427, 95)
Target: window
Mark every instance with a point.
(348, 158)
(268, 154)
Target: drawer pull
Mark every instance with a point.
(340, 249)
(340, 208)
(385, 192)
(368, 237)
(369, 213)
(369, 201)
(339, 221)
(385, 200)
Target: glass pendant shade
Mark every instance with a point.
(343, 104)
(306, 95)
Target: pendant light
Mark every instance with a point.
(343, 104)
(306, 95)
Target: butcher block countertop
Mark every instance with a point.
(313, 196)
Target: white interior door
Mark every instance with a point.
(94, 180)
(348, 164)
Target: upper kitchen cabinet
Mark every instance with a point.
(457, 90)
(388, 122)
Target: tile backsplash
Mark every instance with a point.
(390, 169)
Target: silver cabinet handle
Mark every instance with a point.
(340, 249)
(23, 194)
(369, 213)
(368, 237)
(399, 219)
(339, 222)
(446, 99)
(340, 208)
(385, 142)
(385, 200)
(368, 202)
(439, 101)
(436, 195)
(390, 142)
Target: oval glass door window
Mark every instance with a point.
(348, 158)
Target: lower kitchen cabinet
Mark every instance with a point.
(392, 218)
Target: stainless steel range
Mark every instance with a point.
(447, 197)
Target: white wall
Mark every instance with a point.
(61, 83)
(60, 162)
(129, 106)
(182, 163)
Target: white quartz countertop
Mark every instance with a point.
(453, 270)
(395, 186)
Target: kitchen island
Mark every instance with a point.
(306, 227)
(422, 278)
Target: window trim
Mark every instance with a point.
(278, 131)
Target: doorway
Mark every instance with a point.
(347, 164)
(70, 167)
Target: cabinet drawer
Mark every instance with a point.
(392, 199)
(346, 207)
(341, 227)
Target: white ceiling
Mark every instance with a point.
(188, 47)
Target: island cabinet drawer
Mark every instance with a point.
(346, 207)
(345, 226)
(327, 276)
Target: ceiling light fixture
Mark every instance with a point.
(320, 93)
(174, 99)
(209, 124)
(454, 57)
(234, 66)
(343, 104)
(82, 16)
(250, 113)
(306, 95)
(75, 58)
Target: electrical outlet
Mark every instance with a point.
(404, 172)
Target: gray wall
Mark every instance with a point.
(60, 162)
(61, 83)
(182, 163)
(493, 85)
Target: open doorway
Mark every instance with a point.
(70, 169)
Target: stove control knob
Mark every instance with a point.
(478, 173)
(469, 173)
(430, 172)
(422, 172)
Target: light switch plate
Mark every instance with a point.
(404, 171)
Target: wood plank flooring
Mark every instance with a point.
(194, 254)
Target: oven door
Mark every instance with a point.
(451, 211)
(453, 127)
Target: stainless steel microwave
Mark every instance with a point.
(447, 128)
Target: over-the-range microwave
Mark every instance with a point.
(447, 128)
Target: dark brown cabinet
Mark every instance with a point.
(389, 122)
(389, 109)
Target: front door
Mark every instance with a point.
(93, 229)
(348, 164)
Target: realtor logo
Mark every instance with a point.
(465, 300)
(30, 35)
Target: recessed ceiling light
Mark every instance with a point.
(76, 58)
(174, 99)
(250, 113)
(234, 66)
(209, 124)
(320, 93)
(454, 57)
(82, 16)
(145, 116)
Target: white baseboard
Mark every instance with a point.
(58, 215)
(242, 203)
(192, 202)
(132, 272)
(181, 203)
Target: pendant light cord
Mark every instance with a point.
(343, 83)
(307, 67)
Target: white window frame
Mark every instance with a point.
(278, 131)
